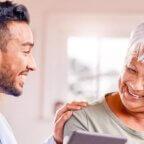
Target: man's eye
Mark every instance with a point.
(132, 70)
(26, 52)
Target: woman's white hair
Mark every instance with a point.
(136, 42)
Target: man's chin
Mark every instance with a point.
(13, 92)
(17, 90)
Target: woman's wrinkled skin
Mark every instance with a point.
(131, 84)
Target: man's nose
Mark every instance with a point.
(32, 64)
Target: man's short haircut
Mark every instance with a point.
(10, 12)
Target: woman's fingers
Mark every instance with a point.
(62, 115)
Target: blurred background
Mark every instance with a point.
(80, 46)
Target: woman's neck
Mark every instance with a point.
(134, 120)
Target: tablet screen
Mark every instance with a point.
(80, 137)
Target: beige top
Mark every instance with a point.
(99, 118)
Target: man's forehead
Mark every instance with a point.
(21, 31)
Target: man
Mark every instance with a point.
(16, 61)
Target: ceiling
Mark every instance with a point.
(87, 6)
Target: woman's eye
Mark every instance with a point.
(132, 70)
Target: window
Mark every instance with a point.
(94, 66)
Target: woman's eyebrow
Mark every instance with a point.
(131, 63)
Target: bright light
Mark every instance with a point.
(104, 59)
(84, 49)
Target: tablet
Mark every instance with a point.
(81, 137)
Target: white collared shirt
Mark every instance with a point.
(6, 133)
(50, 140)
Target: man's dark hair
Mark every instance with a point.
(10, 12)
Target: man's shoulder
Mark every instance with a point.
(3, 122)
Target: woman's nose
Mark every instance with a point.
(139, 84)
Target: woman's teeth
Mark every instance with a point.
(136, 96)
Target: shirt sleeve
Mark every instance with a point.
(50, 140)
(78, 121)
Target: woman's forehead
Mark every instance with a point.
(136, 45)
(136, 52)
(137, 34)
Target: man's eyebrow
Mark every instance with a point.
(28, 44)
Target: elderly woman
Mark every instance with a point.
(119, 113)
